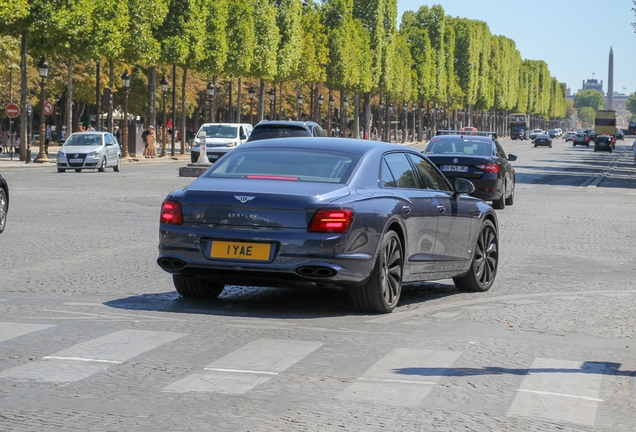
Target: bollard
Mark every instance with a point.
(203, 156)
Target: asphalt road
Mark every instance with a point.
(93, 336)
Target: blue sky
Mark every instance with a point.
(572, 36)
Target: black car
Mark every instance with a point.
(553, 133)
(620, 135)
(4, 202)
(604, 143)
(326, 212)
(480, 159)
(268, 129)
(581, 138)
(543, 140)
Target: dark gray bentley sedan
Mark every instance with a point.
(356, 214)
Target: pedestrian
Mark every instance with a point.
(150, 151)
(90, 127)
(116, 133)
(634, 151)
(47, 139)
(4, 140)
(80, 128)
(144, 138)
(62, 136)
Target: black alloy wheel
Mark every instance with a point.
(194, 287)
(483, 269)
(382, 291)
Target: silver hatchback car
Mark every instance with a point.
(89, 150)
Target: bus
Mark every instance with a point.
(631, 128)
(605, 123)
(519, 126)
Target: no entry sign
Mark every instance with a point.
(48, 107)
(12, 110)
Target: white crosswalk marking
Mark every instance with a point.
(87, 358)
(247, 367)
(13, 330)
(560, 390)
(402, 378)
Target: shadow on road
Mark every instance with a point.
(282, 303)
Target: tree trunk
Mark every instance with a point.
(69, 98)
(183, 111)
(24, 92)
(111, 84)
(261, 102)
(152, 97)
(367, 115)
(356, 119)
(239, 95)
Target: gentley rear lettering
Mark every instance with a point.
(239, 250)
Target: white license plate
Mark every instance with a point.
(213, 156)
(76, 160)
(456, 168)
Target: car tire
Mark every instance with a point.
(511, 199)
(78, 170)
(587, 145)
(573, 145)
(381, 293)
(535, 146)
(102, 165)
(550, 146)
(4, 207)
(194, 287)
(117, 166)
(483, 268)
(61, 170)
(500, 204)
(595, 150)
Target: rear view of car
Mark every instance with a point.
(286, 129)
(543, 140)
(603, 143)
(581, 138)
(479, 159)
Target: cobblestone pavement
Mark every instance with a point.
(94, 338)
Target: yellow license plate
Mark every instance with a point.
(240, 250)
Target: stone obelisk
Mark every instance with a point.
(610, 81)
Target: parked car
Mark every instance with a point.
(220, 138)
(363, 215)
(569, 136)
(4, 202)
(543, 140)
(603, 143)
(89, 150)
(268, 129)
(480, 159)
(581, 138)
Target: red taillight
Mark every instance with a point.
(491, 167)
(331, 221)
(171, 213)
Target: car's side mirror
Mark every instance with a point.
(463, 186)
(512, 157)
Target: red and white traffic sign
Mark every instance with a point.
(12, 110)
(48, 107)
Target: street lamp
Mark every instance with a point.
(272, 97)
(388, 128)
(299, 100)
(43, 69)
(321, 100)
(164, 133)
(210, 92)
(331, 102)
(125, 82)
(405, 126)
(252, 94)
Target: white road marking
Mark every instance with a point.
(77, 362)
(560, 390)
(242, 370)
(13, 330)
(404, 377)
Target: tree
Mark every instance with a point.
(631, 103)
(587, 115)
(589, 98)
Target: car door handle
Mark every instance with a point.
(441, 209)
(475, 212)
(407, 209)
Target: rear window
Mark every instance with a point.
(458, 145)
(277, 131)
(286, 164)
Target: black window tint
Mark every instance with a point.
(500, 150)
(402, 170)
(431, 178)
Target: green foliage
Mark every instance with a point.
(587, 115)
(631, 103)
(314, 58)
(144, 18)
(291, 42)
(267, 39)
(182, 33)
(589, 98)
(12, 11)
(241, 38)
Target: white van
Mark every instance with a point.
(220, 138)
